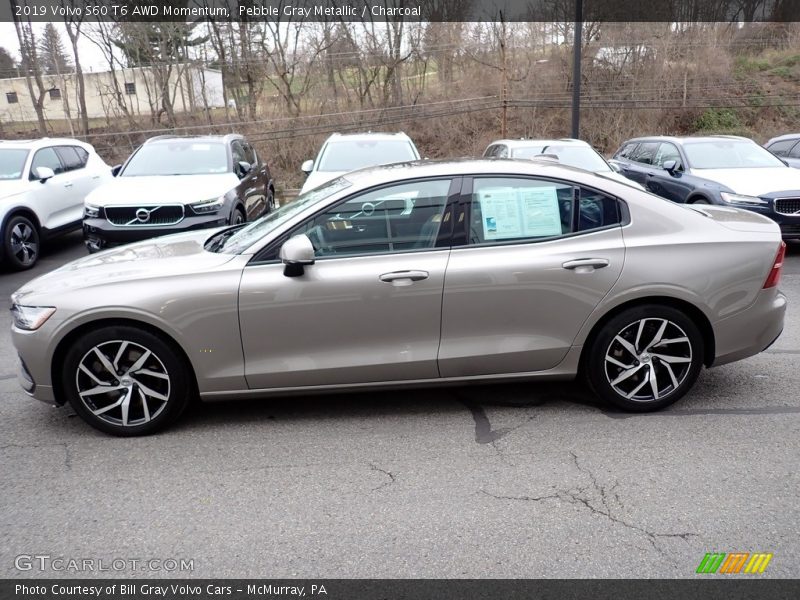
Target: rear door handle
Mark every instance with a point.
(68, 184)
(591, 263)
(403, 277)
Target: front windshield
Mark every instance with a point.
(572, 156)
(351, 155)
(12, 163)
(729, 154)
(178, 157)
(249, 235)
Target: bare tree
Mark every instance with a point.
(30, 62)
(73, 25)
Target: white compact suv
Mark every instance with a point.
(43, 184)
(342, 153)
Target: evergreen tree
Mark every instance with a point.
(8, 67)
(52, 54)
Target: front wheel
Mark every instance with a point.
(237, 218)
(21, 243)
(126, 381)
(645, 358)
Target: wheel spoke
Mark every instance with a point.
(651, 377)
(94, 378)
(105, 409)
(105, 362)
(672, 341)
(636, 344)
(636, 389)
(100, 389)
(126, 405)
(626, 344)
(139, 362)
(151, 392)
(659, 334)
(145, 408)
(626, 374)
(121, 350)
(616, 362)
(150, 373)
(671, 375)
(672, 359)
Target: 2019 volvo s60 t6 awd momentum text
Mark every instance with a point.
(416, 274)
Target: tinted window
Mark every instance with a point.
(70, 158)
(82, 154)
(597, 210)
(12, 161)
(352, 155)
(729, 154)
(782, 148)
(626, 150)
(249, 153)
(667, 151)
(393, 219)
(645, 153)
(795, 152)
(237, 150)
(46, 157)
(179, 157)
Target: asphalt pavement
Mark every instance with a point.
(512, 481)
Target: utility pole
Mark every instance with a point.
(576, 70)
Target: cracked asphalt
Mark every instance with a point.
(511, 481)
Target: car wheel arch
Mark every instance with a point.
(696, 197)
(67, 340)
(693, 312)
(22, 211)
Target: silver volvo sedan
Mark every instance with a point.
(409, 275)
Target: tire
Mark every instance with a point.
(620, 360)
(237, 216)
(700, 201)
(270, 201)
(157, 391)
(21, 243)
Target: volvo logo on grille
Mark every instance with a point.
(142, 215)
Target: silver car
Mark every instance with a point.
(408, 275)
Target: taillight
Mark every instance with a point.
(774, 276)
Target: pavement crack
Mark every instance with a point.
(389, 474)
(523, 498)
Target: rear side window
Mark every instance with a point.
(626, 150)
(645, 153)
(70, 158)
(795, 152)
(249, 153)
(512, 209)
(46, 157)
(782, 148)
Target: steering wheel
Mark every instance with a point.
(318, 240)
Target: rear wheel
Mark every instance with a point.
(21, 240)
(645, 358)
(126, 381)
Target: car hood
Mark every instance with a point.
(13, 187)
(164, 257)
(317, 178)
(753, 182)
(170, 189)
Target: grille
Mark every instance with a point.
(787, 206)
(790, 229)
(156, 216)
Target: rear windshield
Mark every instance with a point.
(351, 155)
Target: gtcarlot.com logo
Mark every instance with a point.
(46, 562)
(734, 562)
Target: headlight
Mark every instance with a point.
(739, 199)
(208, 206)
(30, 318)
(90, 211)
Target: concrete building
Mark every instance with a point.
(111, 93)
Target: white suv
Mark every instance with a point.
(341, 154)
(43, 184)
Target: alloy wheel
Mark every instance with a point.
(648, 360)
(123, 383)
(24, 243)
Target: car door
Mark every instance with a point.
(672, 186)
(640, 168)
(83, 181)
(55, 199)
(369, 309)
(251, 189)
(536, 259)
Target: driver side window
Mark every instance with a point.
(392, 219)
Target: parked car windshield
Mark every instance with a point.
(729, 154)
(572, 156)
(351, 155)
(178, 158)
(12, 162)
(245, 237)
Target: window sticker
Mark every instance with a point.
(509, 212)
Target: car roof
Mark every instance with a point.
(688, 139)
(37, 143)
(369, 135)
(524, 142)
(785, 136)
(194, 138)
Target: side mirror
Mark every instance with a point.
(615, 167)
(307, 166)
(670, 166)
(244, 167)
(297, 253)
(115, 170)
(44, 173)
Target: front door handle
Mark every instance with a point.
(403, 277)
(68, 184)
(591, 263)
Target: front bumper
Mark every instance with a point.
(752, 330)
(789, 224)
(98, 233)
